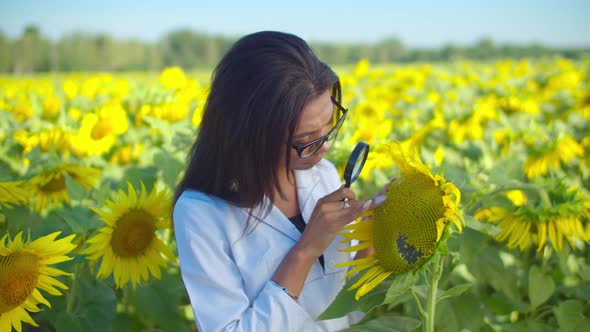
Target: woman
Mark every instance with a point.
(258, 211)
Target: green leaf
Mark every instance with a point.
(541, 286)
(19, 219)
(345, 302)
(455, 291)
(527, 327)
(79, 219)
(400, 284)
(387, 324)
(570, 316)
(482, 227)
(584, 272)
(460, 313)
(95, 303)
(468, 243)
(75, 190)
(488, 267)
(137, 175)
(124, 322)
(421, 290)
(158, 304)
(171, 168)
(498, 303)
(581, 292)
(65, 322)
(473, 151)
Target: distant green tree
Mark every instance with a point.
(76, 51)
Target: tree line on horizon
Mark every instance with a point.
(32, 52)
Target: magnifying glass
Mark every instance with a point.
(355, 164)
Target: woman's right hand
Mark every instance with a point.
(329, 218)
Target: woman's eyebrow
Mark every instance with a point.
(315, 131)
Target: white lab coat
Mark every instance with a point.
(227, 272)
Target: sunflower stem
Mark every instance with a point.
(431, 301)
(418, 304)
(72, 293)
(541, 193)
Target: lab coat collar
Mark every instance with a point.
(306, 181)
(307, 193)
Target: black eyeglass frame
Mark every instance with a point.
(323, 139)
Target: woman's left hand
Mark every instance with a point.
(381, 195)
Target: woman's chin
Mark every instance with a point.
(309, 163)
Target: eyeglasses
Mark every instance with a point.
(308, 149)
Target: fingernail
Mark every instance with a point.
(366, 204)
(379, 199)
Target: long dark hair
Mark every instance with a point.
(258, 92)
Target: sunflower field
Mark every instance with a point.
(89, 161)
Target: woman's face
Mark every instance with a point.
(315, 121)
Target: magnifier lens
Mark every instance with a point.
(355, 163)
(356, 171)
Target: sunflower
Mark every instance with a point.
(128, 244)
(11, 193)
(50, 187)
(549, 157)
(535, 222)
(98, 131)
(24, 270)
(407, 227)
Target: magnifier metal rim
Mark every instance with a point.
(354, 156)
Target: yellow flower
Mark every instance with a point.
(126, 154)
(51, 108)
(24, 270)
(198, 114)
(371, 131)
(49, 188)
(439, 155)
(128, 244)
(22, 111)
(45, 140)
(11, 193)
(470, 128)
(362, 67)
(407, 227)
(378, 159)
(120, 89)
(517, 197)
(75, 113)
(91, 87)
(99, 131)
(173, 78)
(530, 224)
(565, 150)
(70, 89)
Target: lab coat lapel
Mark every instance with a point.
(306, 181)
(278, 221)
(309, 191)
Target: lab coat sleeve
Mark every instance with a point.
(214, 283)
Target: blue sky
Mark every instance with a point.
(416, 23)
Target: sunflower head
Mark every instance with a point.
(411, 221)
(547, 219)
(406, 229)
(49, 188)
(12, 193)
(24, 270)
(128, 243)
